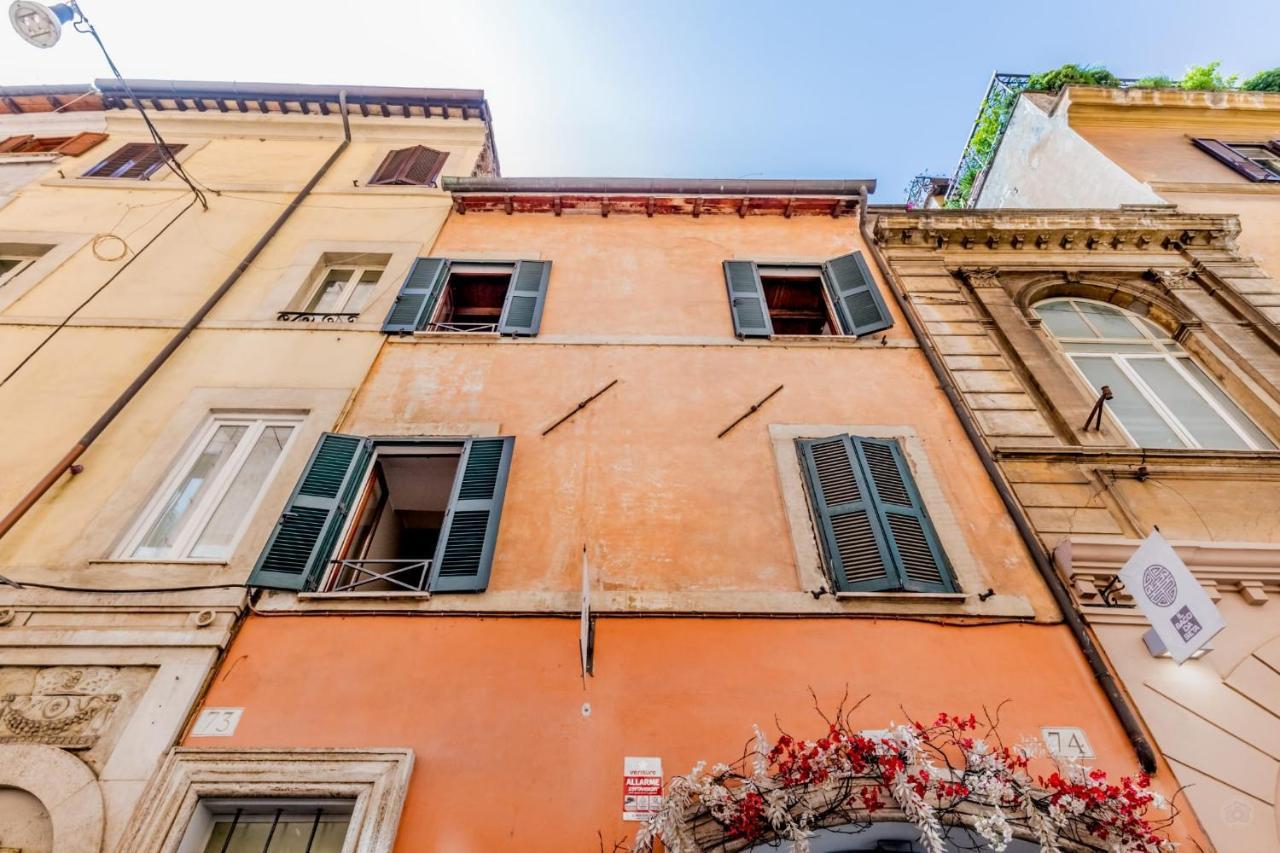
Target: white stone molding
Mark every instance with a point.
(66, 788)
(376, 779)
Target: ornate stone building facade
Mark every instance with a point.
(1033, 312)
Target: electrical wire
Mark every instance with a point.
(83, 25)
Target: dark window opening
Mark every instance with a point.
(797, 301)
(472, 298)
(396, 520)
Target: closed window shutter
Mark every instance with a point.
(746, 300)
(418, 166)
(136, 160)
(464, 554)
(417, 296)
(300, 547)
(858, 301)
(1223, 153)
(522, 311)
(918, 557)
(80, 143)
(16, 144)
(853, 542)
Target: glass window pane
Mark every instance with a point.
(217, 538)
(362, 291)
(1063, 321)
(329, 293)
(1242, 420)
(293, 836)
(159, 539)
(1192, 411)
(1128, 405)
(1110, 322)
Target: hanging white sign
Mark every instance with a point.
(1173, 600)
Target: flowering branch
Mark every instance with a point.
(953, 779)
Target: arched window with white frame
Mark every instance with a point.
(1162, 398)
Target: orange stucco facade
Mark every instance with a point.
(711, 611)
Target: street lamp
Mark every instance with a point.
(38, 24)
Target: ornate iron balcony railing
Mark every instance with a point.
(317, 316)
(461, 327)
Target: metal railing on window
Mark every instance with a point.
(358, 575)
(461, 327)
(317, 316)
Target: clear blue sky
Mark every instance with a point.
(700, 88)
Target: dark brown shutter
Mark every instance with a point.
(1225, 154)
(416, 166)
(16, 144)
(136, 160)
(80, 143)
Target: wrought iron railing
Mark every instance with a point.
(354, 575)
(317, 316)
(461, 327)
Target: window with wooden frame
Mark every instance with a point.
(393, 514)
(874, 531)
(838, 297)
(339, 287)
(416, 166)
(135, 160)
(201, 509)
(440, 295)
(71, 146)
(1257, 161)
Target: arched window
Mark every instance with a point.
(1162, 397)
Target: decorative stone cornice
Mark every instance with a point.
(977, 277)
(1031, 232)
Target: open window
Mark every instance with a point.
(440, 295)
(71, 146)
(391, 515)
(1257, 161)
(838, 297)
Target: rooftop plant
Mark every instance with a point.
(1263, 81)
(1206, 78)
(1071, 75)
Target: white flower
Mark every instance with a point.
(995, 829)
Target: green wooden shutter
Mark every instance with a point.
(464, 554)
(417, 296)
(920, 563)
(302, 543)
(746, 300)
(522, 311)
(858, 301)
(853, 542)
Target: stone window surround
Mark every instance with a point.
(296, 283)
(102, 538)
(376, 779)
(51, 248)
(1153, 295)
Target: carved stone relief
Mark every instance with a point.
(70, 707)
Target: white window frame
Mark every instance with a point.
(1164, 349)
(193, 525)
(24, 261)
(1271, 162)
(348, 291)
(209, 810)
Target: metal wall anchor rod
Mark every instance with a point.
(580, 407)
(749, 412)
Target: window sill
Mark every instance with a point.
(362, 596)
(129, 561)
(896, 595)
(455, 336)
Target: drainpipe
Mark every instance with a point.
(46, 482)
(1061, 596)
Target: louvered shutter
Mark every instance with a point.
(918, 556)
(464, 554)
(300, 547)
(80, 143)
(522, 310)
(858, 301)
(118, 160)
(418, 166)
(746, 300)
(1223, 153)
(417, 296)
(856, 550)
(16, 144)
